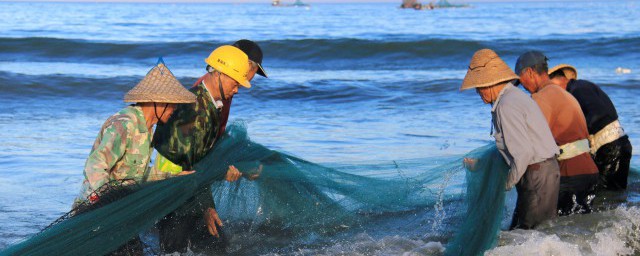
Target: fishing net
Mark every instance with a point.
(485, 199)
(108, 193)
(300, 201)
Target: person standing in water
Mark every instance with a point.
(579, 174)
(522, 137)
(610, 146)
(189, 135)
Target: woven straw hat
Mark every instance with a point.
(569, 71)
(159, 85)
(486, 69)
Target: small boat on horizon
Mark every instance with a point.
(414, 4)
(298, 3)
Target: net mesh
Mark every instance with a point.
(107, 193)
(303, 203)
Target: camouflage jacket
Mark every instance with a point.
(224, 111)
(191, 131)
(122, 150)
(187, 137)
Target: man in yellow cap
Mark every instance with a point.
(610, 146)
(121, 153)
(189, 135)
(522, 137)
(254, 52)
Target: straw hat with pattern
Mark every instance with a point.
(569, 71)
(486, 69)
(159, 85)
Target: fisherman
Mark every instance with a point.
(579, 174)
(254, 52)
(191, 134)
(122, 149)
(121, 153)
(522, 137)
(610, 146)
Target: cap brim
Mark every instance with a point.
(261, 70)
(246, 84)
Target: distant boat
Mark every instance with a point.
(414, 4)
(298, 3)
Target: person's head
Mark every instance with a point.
(229, 68)
(562, 74)
(160, 92)
(488, 74)
(532, 69)
(490, 94)
(254, 53)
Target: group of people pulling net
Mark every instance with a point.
(541, 149)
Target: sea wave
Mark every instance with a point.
(324, 87)
(19, 85)
(337, 53)
(389, 87)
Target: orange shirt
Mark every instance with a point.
(567, 124)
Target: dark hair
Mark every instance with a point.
(540, 68)
(557, 73)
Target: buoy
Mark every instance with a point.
(621, 70)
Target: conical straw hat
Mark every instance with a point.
(159, 85)
(569, 71)
(486, 69)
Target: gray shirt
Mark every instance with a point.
(522, 134)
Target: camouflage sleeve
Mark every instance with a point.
(173, 140)
(203, 135)
(106, 154)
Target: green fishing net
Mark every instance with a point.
(485, 203)
(301, 201)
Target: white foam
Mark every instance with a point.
(623, 237)
(363, 244)
(615, 232)
(610, 245)
(535, 243)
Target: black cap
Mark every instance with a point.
(253, 51)
(530, 59)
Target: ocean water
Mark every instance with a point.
(348, 84)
